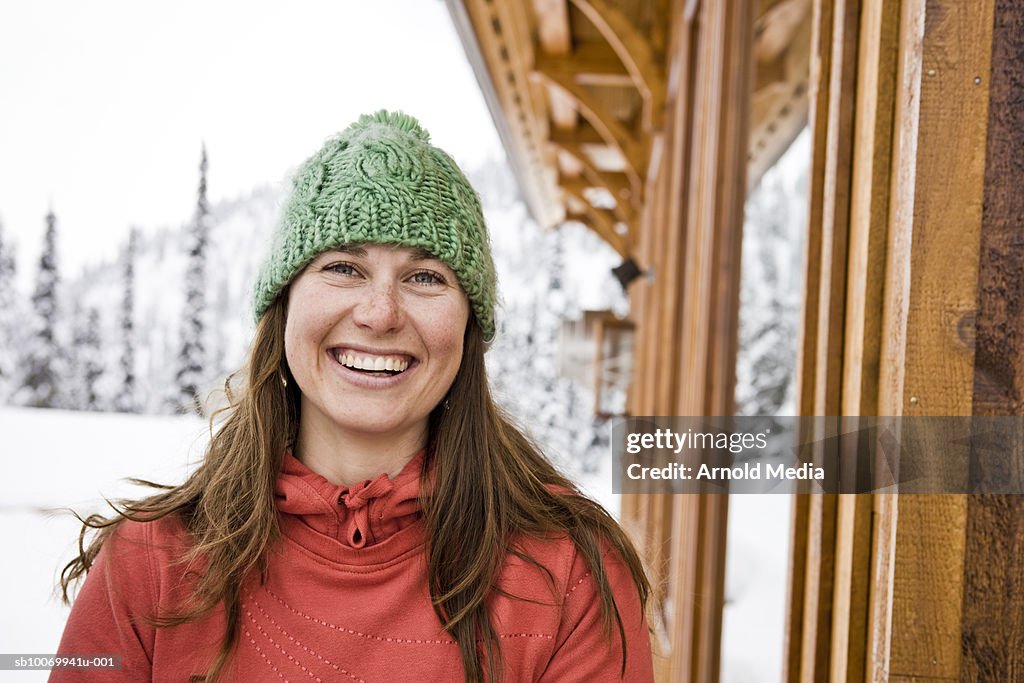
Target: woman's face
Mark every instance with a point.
(374, 338)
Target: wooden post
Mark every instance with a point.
(993, 602)
(714, 202)
(934, 139)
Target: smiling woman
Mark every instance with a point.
(366, 511)
(373, 340)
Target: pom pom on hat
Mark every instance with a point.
(381, 181)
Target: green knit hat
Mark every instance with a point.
(381, 181)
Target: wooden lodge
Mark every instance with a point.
(648, 120)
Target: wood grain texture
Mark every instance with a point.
(938, 187)
(835, 208)
(883, 553)
(819, 643)
(999, 340)
(667, 283)
(795, 588)
(635, 53)
(850, 590)
(805, 579)
(927, 586)
(809, 610)
(993, 597)
(712, 211)
(869, 204)
(816, 648)
(821, 55)
(678, 161)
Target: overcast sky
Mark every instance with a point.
(104, 104)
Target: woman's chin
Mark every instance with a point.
(380, 426)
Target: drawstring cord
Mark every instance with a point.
(358, 503)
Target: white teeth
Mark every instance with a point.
(374, 363)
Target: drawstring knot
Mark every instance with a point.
(357, 500)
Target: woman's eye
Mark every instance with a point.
(342, 268)
(425, 277)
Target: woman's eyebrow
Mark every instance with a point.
(423, 255)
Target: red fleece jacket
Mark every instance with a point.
(346, 599)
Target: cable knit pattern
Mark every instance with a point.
(346, 599)
(381, 181)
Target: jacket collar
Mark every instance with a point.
(357, 516)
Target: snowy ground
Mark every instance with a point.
(58, 459)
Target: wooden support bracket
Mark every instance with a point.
(602, 221)
(635, 52)
(614, 133)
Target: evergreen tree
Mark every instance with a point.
(86, 369)
(126, 401)
(40, 388)
(525, 369)
(191, 357)
(769, 305)
(93, 366)
(8, 321)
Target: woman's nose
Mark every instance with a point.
(380, 310)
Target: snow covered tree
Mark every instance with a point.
(192, 356)
(86, 368)
(9, 328)
(40, 384)
(770, 287)
(524, 365)
(126, 401)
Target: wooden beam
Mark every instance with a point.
(498, 60)
(818, 583)
(617, 183)
(998, 370)
(676, 169)
(993, 603)
(635, 52)
(587, 65)
(614, 133)
(868, 223)
(931, 285)
(714, 201)
(796, 587)
(764, 8)
(780, 109)
(776, 28)
(553, 32)
(769, 74)
(561, 108)
(583, 134)
(835, 212)
(869, 204)
(850, 587)
(580, 184)
(804, 650)
(603, 222)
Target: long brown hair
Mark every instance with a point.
(488, 485)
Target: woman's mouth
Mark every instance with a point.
(372, 364)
